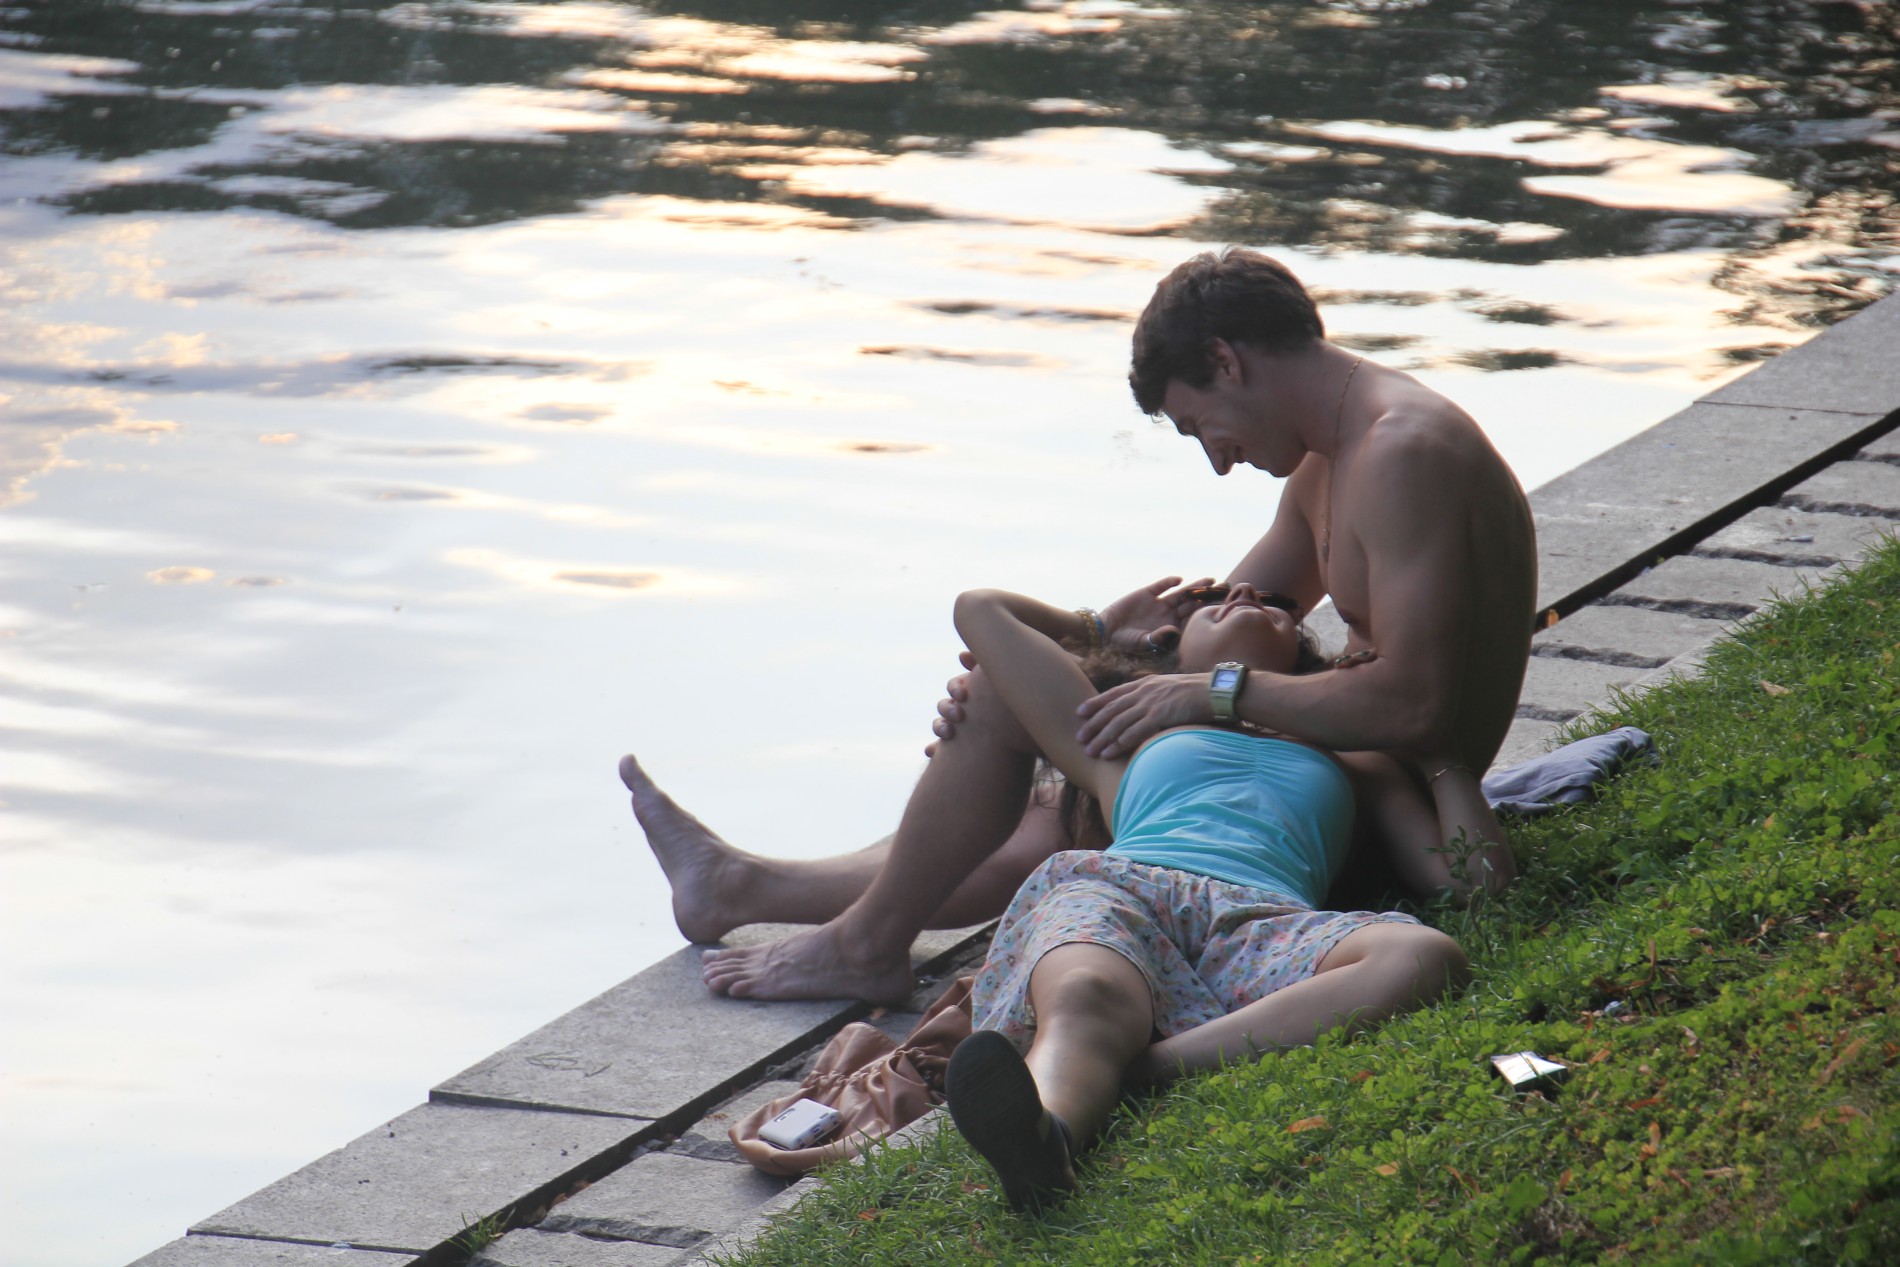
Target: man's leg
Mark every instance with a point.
(968, 803)
(717, 887)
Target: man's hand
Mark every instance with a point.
(950, 709)
(1130, 619)
(1118, 721)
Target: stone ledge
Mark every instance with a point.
(1664, 489)
(232, 1251)
(639, 1050)
(415, 1182)
(1849, 367)
(530, 1247)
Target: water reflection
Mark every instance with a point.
(411, 405)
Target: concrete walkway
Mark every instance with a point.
(601, 1136)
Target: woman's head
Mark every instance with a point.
(1241, 627)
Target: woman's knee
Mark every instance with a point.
(1435, 959)
(1086, 981)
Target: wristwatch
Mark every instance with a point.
(1223, 689)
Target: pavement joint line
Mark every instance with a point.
(1759, 404)
(1537, 712)
(1763, 556)
(1616, 659)
(1859, 510)
(299, 1240)
(1700, 608)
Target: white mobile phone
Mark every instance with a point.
(800, 1126)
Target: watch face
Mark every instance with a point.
(1225, 679)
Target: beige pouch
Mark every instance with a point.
(876, 1085)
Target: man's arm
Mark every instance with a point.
(1413, 534)
(1286, 559)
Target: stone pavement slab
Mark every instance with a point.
(658, 1042)
(531, 1247)
(414, 1182)
(1632, 637)
(1723, 589)
(1798, 536)
(1853, 488)
(663, 1199)
(1624, 504)
(1557, 690)
(232, 1251)
(1850, 366)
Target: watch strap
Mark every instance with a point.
(1223, 698)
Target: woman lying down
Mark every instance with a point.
(1193, 939)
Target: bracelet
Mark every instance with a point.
(1092, 623)
(1433, 778)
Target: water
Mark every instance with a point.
(410, 407)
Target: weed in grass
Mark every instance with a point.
(479, 1235)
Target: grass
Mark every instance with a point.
(1740, 902)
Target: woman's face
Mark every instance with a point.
(1240, 628)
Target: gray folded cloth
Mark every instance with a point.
(1569, 775)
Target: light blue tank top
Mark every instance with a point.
(1263, 812)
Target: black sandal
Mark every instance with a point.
(994, 1103)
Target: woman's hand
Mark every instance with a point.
(1118, 721)
(1130, 619)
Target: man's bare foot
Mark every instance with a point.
(808, 965)
(707, 874)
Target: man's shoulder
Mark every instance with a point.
(1415, 423)
(1418, 435)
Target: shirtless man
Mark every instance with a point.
(1395, 504)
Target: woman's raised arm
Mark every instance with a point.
(1017, 642)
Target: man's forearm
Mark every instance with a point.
(1367, 708)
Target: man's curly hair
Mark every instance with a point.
(1235, 294)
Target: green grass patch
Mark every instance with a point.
(1739, 903)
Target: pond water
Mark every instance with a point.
(410, 407)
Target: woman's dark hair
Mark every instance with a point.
(1234, 294)
(1107, 668)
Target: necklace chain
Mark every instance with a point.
(1332, 464)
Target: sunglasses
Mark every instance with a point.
(1208, 595)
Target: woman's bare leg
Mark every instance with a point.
(1093, 1014)
(1369, 975)
(718, 887)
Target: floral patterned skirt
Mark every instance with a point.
(1206, 947)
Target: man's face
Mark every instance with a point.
(1229, 422)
